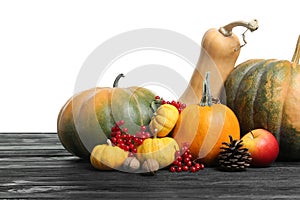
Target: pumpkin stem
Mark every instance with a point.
(296, 55)
(206, 99)
(155, 133)
(116, 82)
(109, 142)
(227, 30)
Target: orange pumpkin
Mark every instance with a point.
(205, 127)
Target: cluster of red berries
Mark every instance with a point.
(121, 138)
(183, 161)
(179, 105)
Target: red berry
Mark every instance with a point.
(118, 133)
(185, 168)
(172, 169)
(186, 155)
(163, 102)
(131, 146)
(198, 166)
(157, 97)
(121, 145)
(179, 110)
(179, 169)
(143, 128)
(189, 163)
(147, 134)
(126, 148)
(184, 150)
(125, 130)
(134, 150)
(113, 140)
(136, 140)
(183, 106)
(201, 166)
(186, 160)
(193, 169)
(175, 162)
(138, 134)
(179, 159)
(141, 140)
(179, 164)
(113, 134)
(125, 136)
(120, 141)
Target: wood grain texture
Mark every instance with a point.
(36, 166)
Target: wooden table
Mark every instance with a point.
(36, 166)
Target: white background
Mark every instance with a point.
(43, 44)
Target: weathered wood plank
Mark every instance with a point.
(36, 166)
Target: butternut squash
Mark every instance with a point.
(219, 52)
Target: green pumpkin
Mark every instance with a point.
(86, 119)
(266, 94)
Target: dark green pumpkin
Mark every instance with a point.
(86, 119)
(266, 94)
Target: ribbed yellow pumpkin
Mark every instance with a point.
(161, 149)
(108, 157)
(164, 120)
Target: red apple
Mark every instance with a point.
(263, 147)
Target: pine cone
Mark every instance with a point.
(233, 157)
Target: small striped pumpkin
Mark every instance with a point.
(266, 94)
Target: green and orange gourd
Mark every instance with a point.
(86, 118)
(265, 93)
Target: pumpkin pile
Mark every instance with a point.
(142, 152)
(134, 130)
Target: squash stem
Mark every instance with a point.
(116, 82)
(296, 55)
(227, 30)
(206, 99)
(109, 142)
(155, 133)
